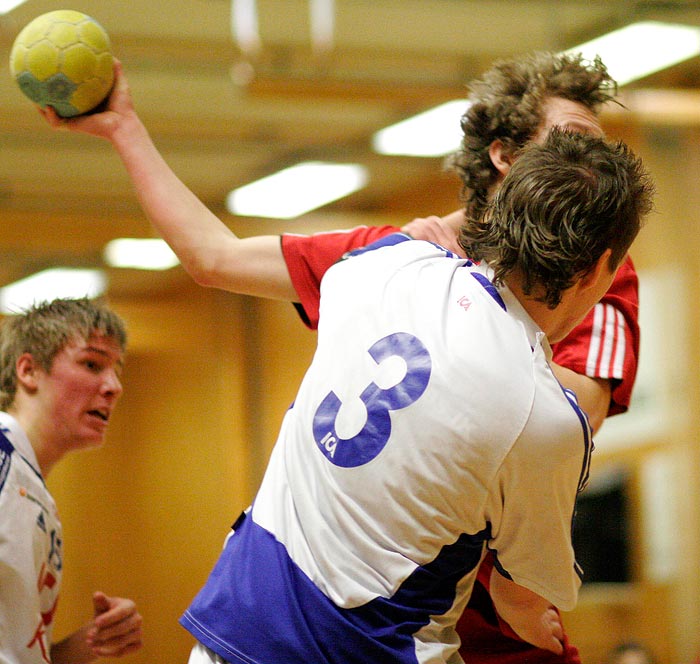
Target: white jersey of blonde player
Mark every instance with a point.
(428, 427)
(30, 552)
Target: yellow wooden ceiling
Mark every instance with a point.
(62, 196)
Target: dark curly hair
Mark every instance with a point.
(507, 104)
(560, 207)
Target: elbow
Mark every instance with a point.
(202, 273)
(204, 278)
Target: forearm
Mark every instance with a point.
(531, 616)
(208, 250)
(74, 649)
(191, 230)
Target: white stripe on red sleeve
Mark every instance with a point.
(606, 352)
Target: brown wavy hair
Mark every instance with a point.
(507, 104)
(561, 205)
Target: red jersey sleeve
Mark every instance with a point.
(606, 343)
(309, 256)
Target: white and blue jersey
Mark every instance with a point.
(428, 426)
(30, 552)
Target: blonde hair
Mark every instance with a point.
(43, 331)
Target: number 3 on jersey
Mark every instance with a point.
(370, 441)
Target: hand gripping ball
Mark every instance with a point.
(63, 59)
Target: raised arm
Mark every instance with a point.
(208, 250)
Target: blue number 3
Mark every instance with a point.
(370, 441)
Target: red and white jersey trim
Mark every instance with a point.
(606, 352)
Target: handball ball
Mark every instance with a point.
(63, 59)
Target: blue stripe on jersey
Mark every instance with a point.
(390, 241)
(6, 449)
(259, 607)
(490, 289)
(587, 438)
(386, 241)
(588, 452)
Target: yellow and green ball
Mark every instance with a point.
(63, 59)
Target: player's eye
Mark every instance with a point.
(92, 365)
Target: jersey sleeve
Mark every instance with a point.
(531, 500)
(309, 256)
(606, 343)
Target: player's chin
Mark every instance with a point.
(92, 439)
(93, 433)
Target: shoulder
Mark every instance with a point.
(396, 251)
(625, 286)
(6, 451)
(333, 243)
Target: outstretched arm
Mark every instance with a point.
(531, 617)
(208, 250)
(114, 631)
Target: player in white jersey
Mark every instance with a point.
(429, 427)
(29, 584)
(381, 367)
(59, 381)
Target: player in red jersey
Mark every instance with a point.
(515, 102)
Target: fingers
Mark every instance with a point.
(116, 630)
(105, 120)
(423, 228)
(54, 120)
(110, 610)
(434, 229)
(118, 646)
(100, 602)
(555, 646)
(552, 624)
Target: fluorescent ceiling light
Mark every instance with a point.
(48, 285)
(244, 25)
(322, 21)
(293, 191)
(6, 6)
(640, 49)
(433, 133)
(140, 253)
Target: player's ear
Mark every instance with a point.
(501, 157)
(598, 271)
(26, 369)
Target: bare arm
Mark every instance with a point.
(531, 617)
(114, 631)
(593, 394)
(208, 250)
